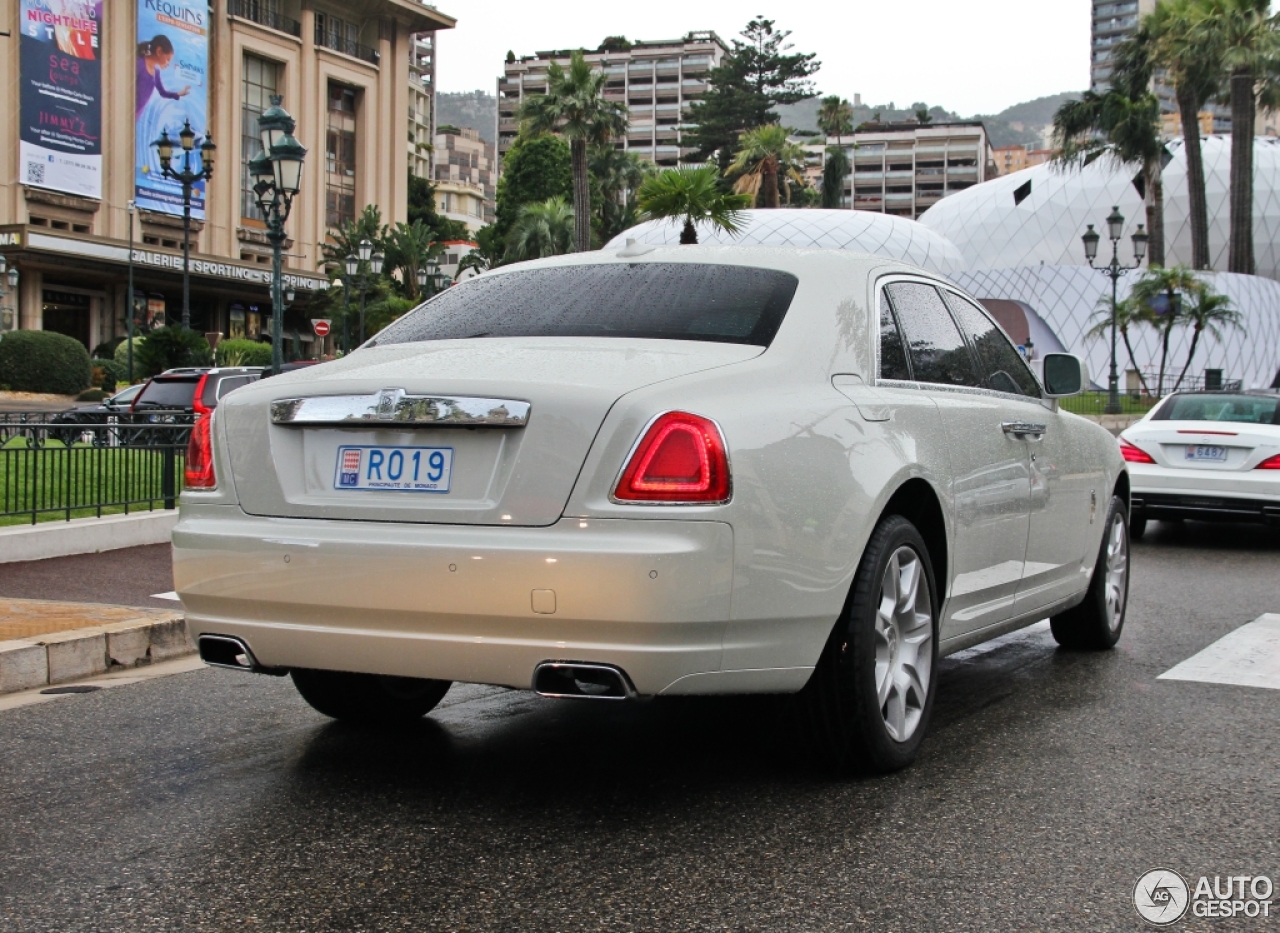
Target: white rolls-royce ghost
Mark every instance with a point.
(658, 471)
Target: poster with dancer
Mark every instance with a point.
(60, 142)
(171, 89)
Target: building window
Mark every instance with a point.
(340, 157)
(262, 78)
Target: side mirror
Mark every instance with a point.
(1064, 374)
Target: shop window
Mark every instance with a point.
(340, 156)
(262, 78)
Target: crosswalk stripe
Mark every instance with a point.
(1247, 657)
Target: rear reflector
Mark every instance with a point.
(199, 468)
(681, 458)
(1271, 463)
(1134, 454)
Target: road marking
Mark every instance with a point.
(1247, 657)
(117, 678)
(172, 594)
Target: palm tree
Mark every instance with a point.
(543, 229)
(692, 194)
(409, 247)
(616, 176)
(1163, 293)
(1245, 35)
(764, 153)
(1130, 315)
(574, 108)
(1191, 65)
(1122, 125)
(835, 118)
(1207, 312)
(834, 172)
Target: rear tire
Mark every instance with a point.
(870, 696)
(1096, 623)
(1137, 527)
(370, 698)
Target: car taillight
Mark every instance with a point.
(681, 458)
(197, 403)
(1271, 463)
(199, 468)
(1134, 454)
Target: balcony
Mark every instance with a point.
(346, 46)
(257, 12)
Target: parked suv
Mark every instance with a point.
(196, 389)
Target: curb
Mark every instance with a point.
(45, 660)
(85, 535)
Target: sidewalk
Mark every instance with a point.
(44, 643)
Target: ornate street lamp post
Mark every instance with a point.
(278, 170)
(8, 316)
(360, 266)
(1114, 271)
(190, 173)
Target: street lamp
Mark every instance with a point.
(195, 168)
(7, 315)
(278, 173)
(360, 265)
(1114, 271)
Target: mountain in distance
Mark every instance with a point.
(475, 109)
(1025, 124)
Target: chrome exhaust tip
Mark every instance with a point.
(230, 652)
(581, 680)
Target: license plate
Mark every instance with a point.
(1205, 452)
(399, 469)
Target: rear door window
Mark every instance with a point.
(893, 353)
(938, 352)
(1000, 366)
(662, 301)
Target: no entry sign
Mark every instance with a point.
(321, 327)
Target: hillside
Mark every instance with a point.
(475, 109)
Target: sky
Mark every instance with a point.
(969, 57)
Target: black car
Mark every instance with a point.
(195, 390)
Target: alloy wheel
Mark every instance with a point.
(904, 644)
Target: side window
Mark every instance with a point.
(232, 382)
(893, 356)
(938, 352)
(1001, 366)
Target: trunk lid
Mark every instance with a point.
(508, 474)
(1205, 445)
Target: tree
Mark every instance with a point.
(1244, 35)
(535, 169)
(1122, 125)
(758, 72)
(343, 241)
(422, 207)
(574, 107)
(1191, 65)
(922, 115)
(616, 175)
(408, 248)
(692, 195)
(1130, 315)
(763, 154)
(834, 172)
(1161, 293)
(1206, 312)
(835, 118)
(545, 229)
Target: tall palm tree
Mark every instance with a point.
(409, 247)
(1206, 312)
(1245, 35)
(1192, 66)
(692, 195)
(542, 229)
(835, 118)
(1165, 293)
(763, 154)
(616, 176)
(1130, 315)
(574, 107)
(1122, 125)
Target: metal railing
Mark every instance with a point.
(346, 46)
(87, 464)
(261, 13)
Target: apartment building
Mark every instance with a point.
(1010, 159)
(422, 107)
(343, 73)
(905, 168)
(464, 176)
(657, 80)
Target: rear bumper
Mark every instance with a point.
(476, 604)
(1205, 495)
(1204, 508)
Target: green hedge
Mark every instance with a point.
(244, 353)
(169, 348)
(108, 374)
(42, 361)
(121, 354)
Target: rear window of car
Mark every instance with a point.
(1242, 409)
(167, 393)
(662, 301)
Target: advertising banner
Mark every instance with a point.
(60, 145)
(172, 89)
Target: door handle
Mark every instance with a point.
(1022, 428)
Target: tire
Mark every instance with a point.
(370, 698)
(1096, 623)
(1137, 527)
(870, 696)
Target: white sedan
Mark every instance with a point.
(685, 470)
(1211, 456)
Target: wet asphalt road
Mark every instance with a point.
(1050, 782)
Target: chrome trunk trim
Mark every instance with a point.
(392, 407)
